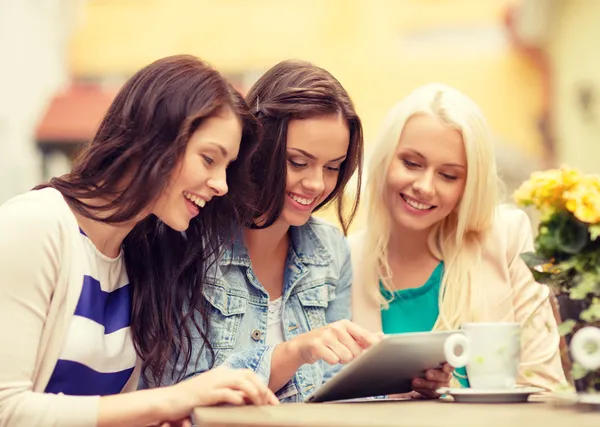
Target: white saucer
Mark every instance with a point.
(564, 398)
(589, 401)
(470, 395)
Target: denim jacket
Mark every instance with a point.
(316, 292)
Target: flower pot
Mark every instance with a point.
(571, 309)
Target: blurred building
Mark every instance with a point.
(563, 38)
(34, 54)
(378, 49)
(499, 52)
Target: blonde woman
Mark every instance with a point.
(440, 250)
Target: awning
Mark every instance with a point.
(73, 115)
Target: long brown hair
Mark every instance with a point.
(299, 90)
(144, 136)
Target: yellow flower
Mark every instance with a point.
(545, 189)
(524, 194)
(583, 200)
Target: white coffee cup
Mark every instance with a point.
(585, 347)
(494, 354)
(457, 350)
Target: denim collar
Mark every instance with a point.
(307, 245)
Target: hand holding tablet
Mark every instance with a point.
(390, 365)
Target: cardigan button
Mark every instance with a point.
(256, 334)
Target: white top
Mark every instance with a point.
(274, 323)
(43, 261)
(98, 356)
(275, 333)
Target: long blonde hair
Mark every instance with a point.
(457, 239)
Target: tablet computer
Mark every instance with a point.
(390, 365)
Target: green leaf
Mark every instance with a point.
(594, 231)
(553, 280)
(572, 235)
(546, 244)
(543, 278)
(591, 314)
(533, 259)
(587, 284)
(566, 327)
(569, 264)
(578, 371)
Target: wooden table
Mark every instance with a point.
(407, 413)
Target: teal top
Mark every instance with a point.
(416, 310)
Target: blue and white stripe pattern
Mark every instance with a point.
(98, 356)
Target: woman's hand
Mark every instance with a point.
(181, 423)
(218, 386)
(338, 342)
(425, 388)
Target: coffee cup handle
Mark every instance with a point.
(452, 343)
(588, 334)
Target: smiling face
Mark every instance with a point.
(427, 175)
(201, 173)
(316, 149)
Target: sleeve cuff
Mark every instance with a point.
(258, 360)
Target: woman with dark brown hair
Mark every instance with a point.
(280, 302)
(92, 263)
